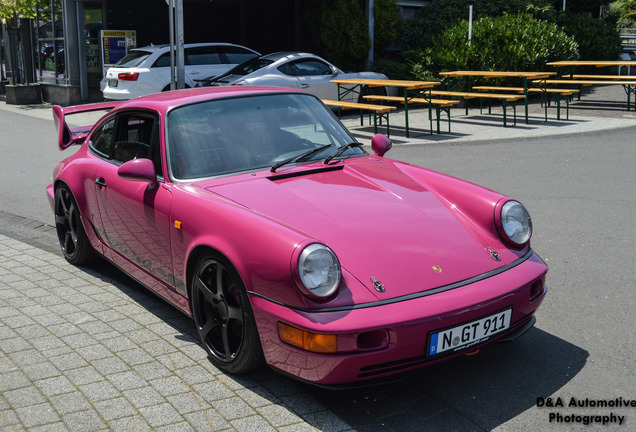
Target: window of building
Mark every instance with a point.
(49, 33)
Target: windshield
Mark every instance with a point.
(249, 66)
(225, 136)
(133, 59)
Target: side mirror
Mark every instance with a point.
(380, 144)
(139, 170)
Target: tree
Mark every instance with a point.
(12, 8)
(342, 32)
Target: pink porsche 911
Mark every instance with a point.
(255, 211)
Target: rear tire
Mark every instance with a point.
(73, 240)
(223, 316)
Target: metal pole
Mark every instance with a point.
(2, 66)
(180, 51)
(81, 51)
(470, 22)
(173, 84)
(371, 13)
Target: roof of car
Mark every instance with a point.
(164, 101)
(282, 54)
(152, 48)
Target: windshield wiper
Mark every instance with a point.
(298, 157)
(340, 151)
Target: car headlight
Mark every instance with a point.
(319, 271)
(515, 223)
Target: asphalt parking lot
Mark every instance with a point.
(88, 349)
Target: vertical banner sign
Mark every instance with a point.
(115, 45)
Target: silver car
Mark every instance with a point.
(298, 71)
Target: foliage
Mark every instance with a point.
(598, 38)
(340, 29)
(626, 11)
(591, 6)
(11, 8)
(386, 25)
(435, 17)
(507, 43)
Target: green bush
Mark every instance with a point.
(598, 38)
(435, 17)
(507, 43)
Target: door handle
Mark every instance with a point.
(304, 86)
(100, 182)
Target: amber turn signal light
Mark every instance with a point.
(312, 342)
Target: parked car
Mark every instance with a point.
(296, 70)
(255, 211)
(147, 70)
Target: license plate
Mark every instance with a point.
(112, 83)
(468, 334)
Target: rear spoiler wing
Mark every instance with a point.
(67, 136)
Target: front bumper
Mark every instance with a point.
(364, 355)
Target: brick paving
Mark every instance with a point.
(87, 349)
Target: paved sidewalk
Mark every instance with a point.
(87, 349)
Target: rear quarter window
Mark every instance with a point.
(133, 59)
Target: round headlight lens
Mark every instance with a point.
(516, 222)
(319, 270)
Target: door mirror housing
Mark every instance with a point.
(380, 144)
(139, 170)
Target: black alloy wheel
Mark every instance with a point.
(70, 232)
(223, 316)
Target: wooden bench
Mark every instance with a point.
(627, 85)
(599, 77)
(439, 104)
(559, 94)
(505, 98)
(379, 111)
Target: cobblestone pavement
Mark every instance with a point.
(88, 350)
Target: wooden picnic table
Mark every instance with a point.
(346, 86)
(571, 65)
(596, 63)
(525, 76)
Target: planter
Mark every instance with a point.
(25, 94)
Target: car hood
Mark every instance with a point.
(381, 223)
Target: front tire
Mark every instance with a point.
(223, 316)
(70, 232)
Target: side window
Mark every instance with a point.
(101, 139)
(237, 55)
(137, 137)
(163, 60)
(312, 67)
(288, 69)
(202, 56)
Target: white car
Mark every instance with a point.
(296, 70)
(147, 70)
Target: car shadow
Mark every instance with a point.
(478, 392)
